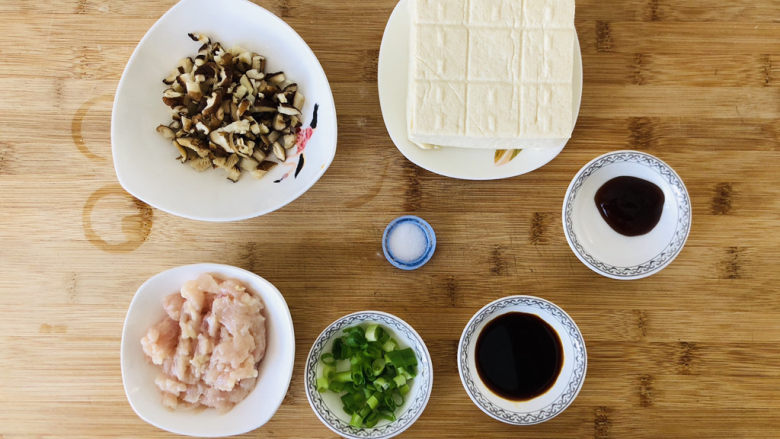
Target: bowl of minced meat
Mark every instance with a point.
(207, 350)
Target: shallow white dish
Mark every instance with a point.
(275, 369)
(327, 406)
(145, 162)
(607, 252)
(549, 404)
(467, 164)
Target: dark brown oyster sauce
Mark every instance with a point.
(630, 205)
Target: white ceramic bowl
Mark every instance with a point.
(145, 162)
(607, 252)
(138, 374)
(552, 402)
(327, 406)
(463, 163)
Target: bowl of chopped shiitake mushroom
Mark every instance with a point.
(223, 113)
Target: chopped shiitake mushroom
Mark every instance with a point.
(227, 112)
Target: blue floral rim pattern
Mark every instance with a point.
(562, 401)
(414, 408)
(657, 262)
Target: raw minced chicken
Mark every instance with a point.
(209, 345)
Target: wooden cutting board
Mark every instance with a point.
(690, 352)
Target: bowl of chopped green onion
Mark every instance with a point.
(368, 375)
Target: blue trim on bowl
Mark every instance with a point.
(419, 398)
(659, 261)
(430, 247)
(562, 401)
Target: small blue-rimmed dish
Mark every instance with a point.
(328, 406)
(428, 248)
(604, 250)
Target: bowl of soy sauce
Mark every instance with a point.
(626, 215)
(522, 360)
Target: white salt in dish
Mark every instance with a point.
(408, 242)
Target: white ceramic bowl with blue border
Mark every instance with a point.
(327, 406)
(604, 250)
(551, 403)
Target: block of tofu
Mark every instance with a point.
(491, 74)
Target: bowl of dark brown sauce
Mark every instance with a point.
(522, 360)
(626, 215)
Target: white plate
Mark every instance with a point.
(566, 387)
(607, 252)
(145, 162)
(467, 164)
(138, 374)
(327, 406)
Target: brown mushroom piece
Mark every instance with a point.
(258, 63)
(200, 164)
(279, 123)
(288, 140)
(265, 106)
(213, 102)
(258, 155)
(288, 110)
(227, 112)
(166, 132)
(182, 151)
(193, 144)
(223, 140)
(248, 164)
(234, 174)
(298, 100)
(193, 87)
(263, 168)
(279, 152)
(276, 78)
(172, 98)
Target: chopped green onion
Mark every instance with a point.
(388, 401)
(382, 383)
(328, 370)
(389, 345)
(339, 350)
(373, 351)
(405, 373)
(372, 419)
(378, 366)
(384, 414)
(373, 401)
(343, 377)
(328, 358)
(374, 332)
(356, 421)
(402, 358)
(378, 377)
(322, 384)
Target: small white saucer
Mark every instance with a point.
(551, 403)
(604, 250)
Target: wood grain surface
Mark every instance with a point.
(690, 352)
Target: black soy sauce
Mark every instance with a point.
(519, 356)
(630, 205)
